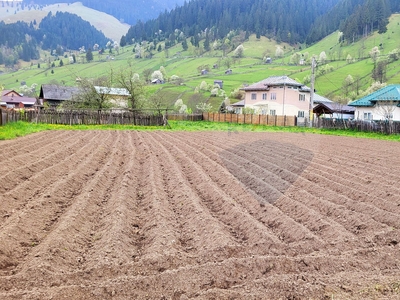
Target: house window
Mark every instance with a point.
(368, 116)
(272, 112)
(264, 96)
(302, 97)
(300, 114)
(253, 96)
(389, 116)
(273, 96)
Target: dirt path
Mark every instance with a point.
(205, 215)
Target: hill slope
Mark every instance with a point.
(127, 11)
(246, 70)
(109, 25)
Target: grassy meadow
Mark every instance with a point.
(19, 129)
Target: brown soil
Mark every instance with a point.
(205, 215)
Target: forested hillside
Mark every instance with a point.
(283, 20)
(15, 44)
(291, 21)
(62, 30)
(69, 31)
(355, 18)
(128, 11)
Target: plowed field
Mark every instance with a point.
(204, 215)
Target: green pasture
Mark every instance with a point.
(20, 129)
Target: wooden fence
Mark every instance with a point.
(75, 117)
(10, 116)
(385, 127)
(185, 117)
(251, 119)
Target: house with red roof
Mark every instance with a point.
(13, 99)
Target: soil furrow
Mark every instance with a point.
(179, 215)
(251, 231)
(29, 185)
(24, 230)
(30, 145)
(180, 193)
(258, 185)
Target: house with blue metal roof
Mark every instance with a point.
(383, 104)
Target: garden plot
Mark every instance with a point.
(205, 215)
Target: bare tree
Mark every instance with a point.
(385, 108)
(127, 79)
(159, 101)
(94, 93)
(338, 104)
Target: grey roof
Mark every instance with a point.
(112, 91)
(238, 104)
(333, 107)
(57, 92)
(321, 99)
(272, 81)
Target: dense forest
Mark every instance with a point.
(17, 42)
(69, 31)
(127, 11)
(292, 21)
(355, 18)
(60, 31)
(285, 20)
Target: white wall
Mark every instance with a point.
(376, 114)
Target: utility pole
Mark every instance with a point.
(311, 113)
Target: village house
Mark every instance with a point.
(117, 96)
(383, 104)
(278, 95)
(54, 95)
(13, 99)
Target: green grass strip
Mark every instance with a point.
(20, 129)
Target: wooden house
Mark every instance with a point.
(54, 95)
(13, 99)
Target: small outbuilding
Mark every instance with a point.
(334, 110)
(220, 83)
